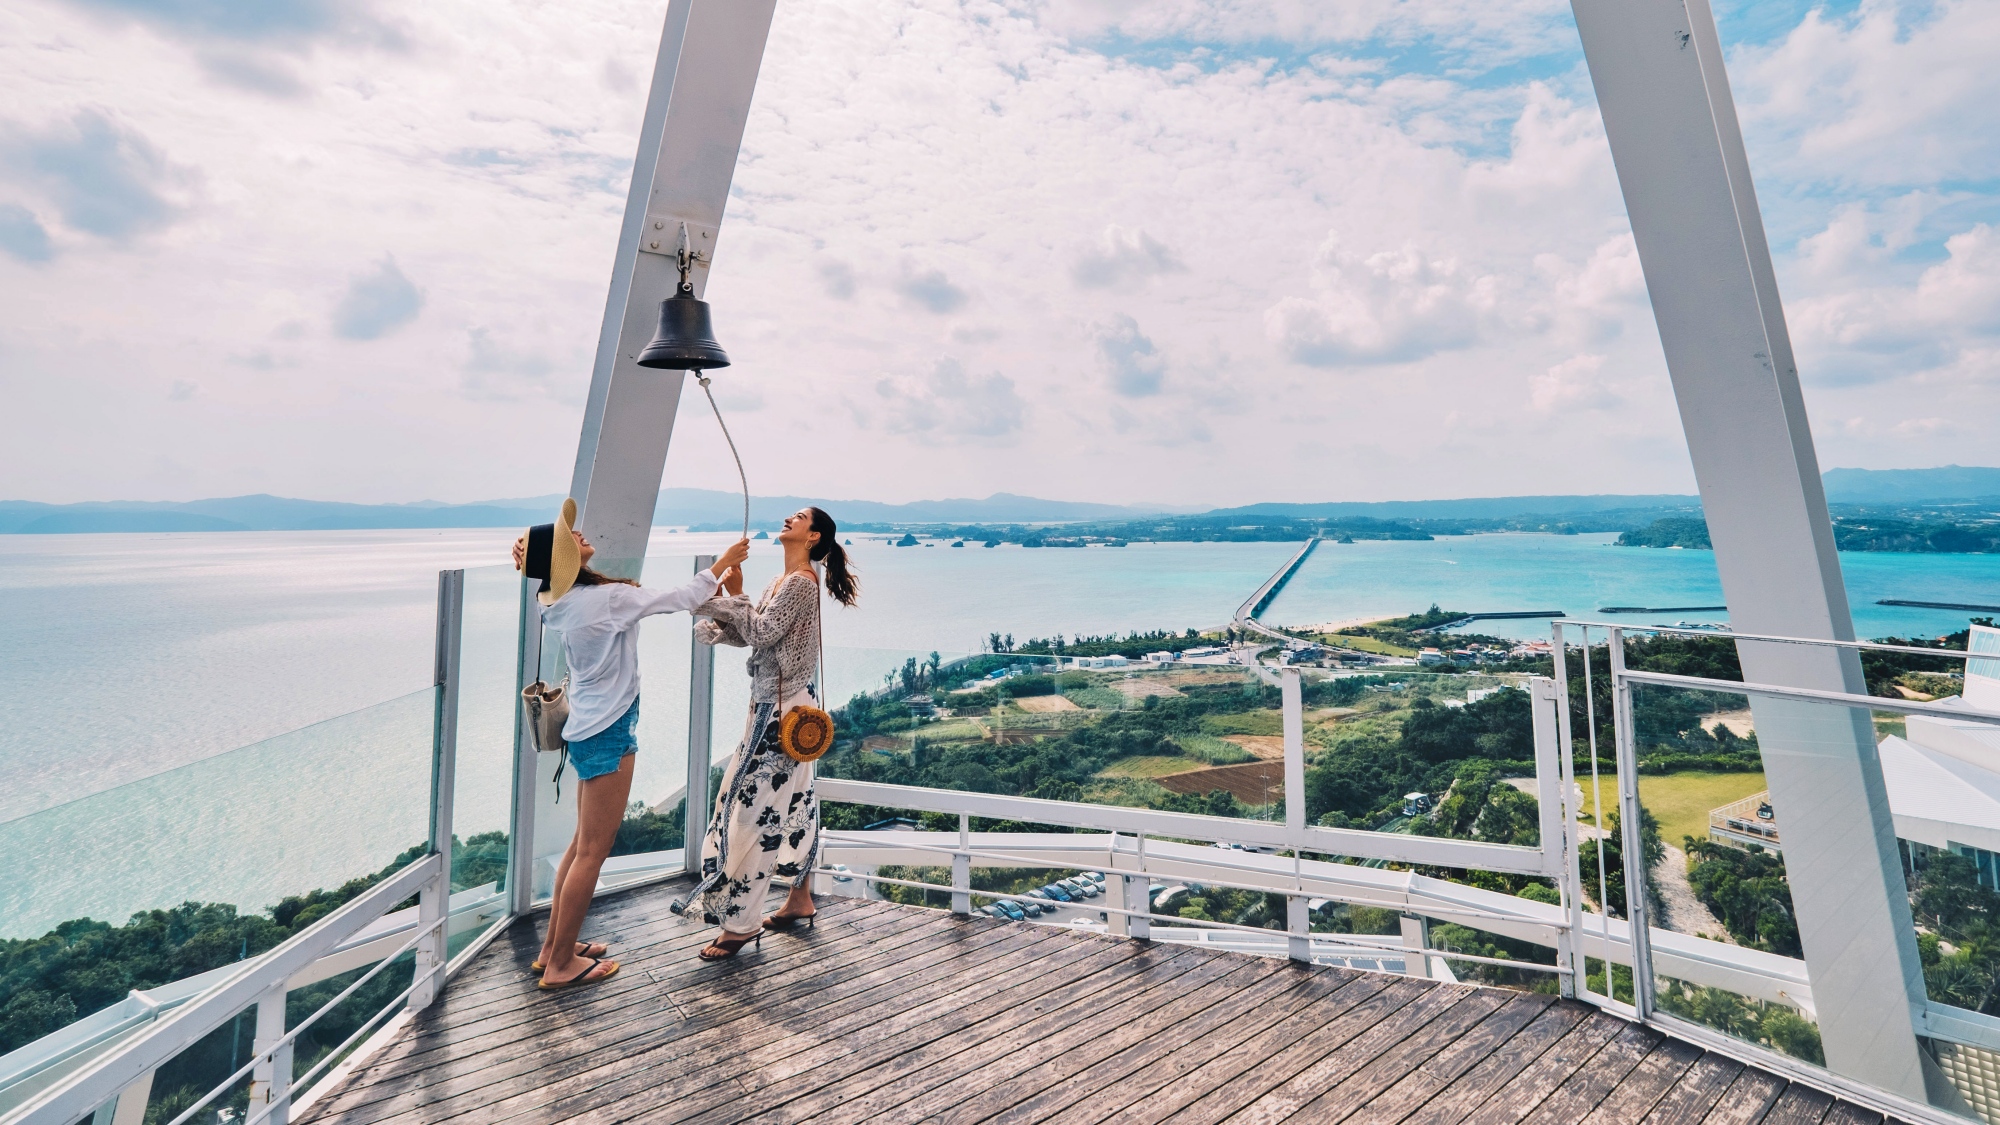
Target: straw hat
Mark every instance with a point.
(552, 555)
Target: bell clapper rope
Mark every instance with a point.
(702, 378)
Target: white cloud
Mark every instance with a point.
(1136, 367)
(1125, 259)
(949, 404)
(1380, 306)
(1576, 383)
(999, 184)
(379, 302)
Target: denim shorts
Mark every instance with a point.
(601, 752)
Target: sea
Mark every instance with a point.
(231, 717)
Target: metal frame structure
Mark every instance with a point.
(1663, 92)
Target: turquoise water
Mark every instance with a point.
(129, 656)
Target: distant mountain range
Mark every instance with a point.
(701, 507)
(1911, 486)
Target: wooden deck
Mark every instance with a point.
(896, 1014)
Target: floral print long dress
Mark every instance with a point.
(766, 819)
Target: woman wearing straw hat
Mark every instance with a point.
(598, 617)
(766, 819)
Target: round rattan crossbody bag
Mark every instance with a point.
(805, 734)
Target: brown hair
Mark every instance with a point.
(588, 577)
(840, 579)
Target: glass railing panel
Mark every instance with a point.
(653, 820)
(1422, 753)
(1737, 809)
(1942, 776)
(483, 788)
(1725, 941)
(1203, 740)
(217, 860)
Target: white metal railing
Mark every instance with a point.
(104, 1065)
(1652, 951)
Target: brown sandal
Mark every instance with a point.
(786, 923)
(583, 949)
(722, 948)
(583, 977)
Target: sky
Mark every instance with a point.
(1175, 251)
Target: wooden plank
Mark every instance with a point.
(1641, 1089)
(1418, 1086)
(1001, 1072)
(1551, 1069)
(1697, 1092)
(475, 1059)
(1418, 1020)
(941, 1080)
(718, 1039)
(1583, 1090)
(1170, 1099)
(1799, 1105)
(1219, 1099)
(1410, 1056)
(1480, 1081)
(1847, 1113)
(1048, 1011)
(1748, 1099)
(1152, 1055)
(662, 1090)
(452, 1023)
(886, 1013)
(530, 1021)
(917, 1079)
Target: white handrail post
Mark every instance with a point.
(1291, 697)
(701, 737)
(961, 868)
(1298, 928)
(1552, 793)
(434, 900)
(1631, 826)
(521, 830)
(1118, 925)
(271, 1081)
(1137, 898)
(1416, 939)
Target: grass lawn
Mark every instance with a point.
(1679, 801)
(1150, 766)
(1367, 644)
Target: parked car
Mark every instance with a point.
(1095, 876)
(840, 874)
(1011, 911)
(990, 910)
(1034, 909)
(1059, 894)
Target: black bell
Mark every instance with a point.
(684, 341)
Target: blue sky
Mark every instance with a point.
(1194, 251)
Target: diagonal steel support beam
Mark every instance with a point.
(710, 52)
(1658, 70)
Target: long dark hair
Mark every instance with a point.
(588, 577)
(840, 580)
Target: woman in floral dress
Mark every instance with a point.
(766, 820)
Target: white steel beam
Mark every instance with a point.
(1658, 71)
(710, 51)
